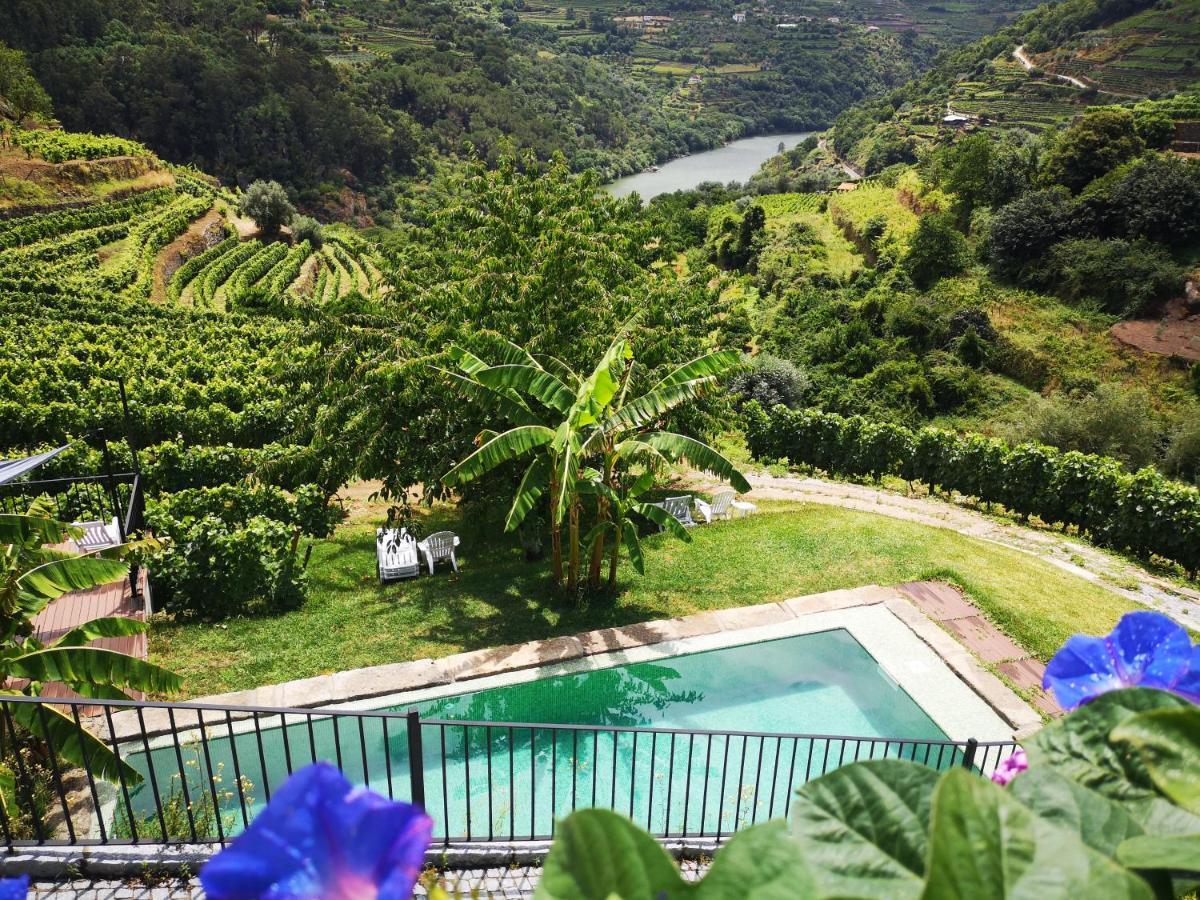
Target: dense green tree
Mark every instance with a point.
(306, 228)
(267, 203)
(1023, 230)
(1094, 145)
(18, 88)
(1125, 278)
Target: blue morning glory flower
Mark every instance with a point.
(14, 888)
(320, 838)
(1146, 649)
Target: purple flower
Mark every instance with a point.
(1010, 768)
(320, 837)
(1146, 649)
(14, 888)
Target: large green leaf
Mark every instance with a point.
(51, 580)
(987, 845)
(1099, 822)
(655, 404)
(720, 362)
(633, 449)
(108, 627)
(537, 383)
(534, 483)
(509, 445)
(633, 546)
(599, 388)
(1078, 747)
(1176, 853)
(33, 530)
(92, 665)
(862, 828)
(763, 862)
(8, 791)
(72, 742)
(700, 455)
(507, 404)
(1168, 742)
(599, 855)
(662, 519)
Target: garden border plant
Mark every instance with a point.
(1142, 512)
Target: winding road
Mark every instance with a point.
(1019, 55)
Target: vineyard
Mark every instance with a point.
(117, 247)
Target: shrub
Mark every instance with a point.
(1022, 231)
(1094, 145)
(771, 381)
(306, 228)
(937, 249)
(1142, 512)
(1125, 278)
(1183, 454)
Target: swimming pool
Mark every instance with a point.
(698, 744)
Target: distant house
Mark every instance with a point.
(955, 120)
(695, 79)
(848, 186)
(872, 28)
(834, 20)
(739, 17)
(787, 25)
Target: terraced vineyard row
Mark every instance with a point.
(230, 273)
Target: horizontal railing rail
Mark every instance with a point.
(75, 498)
(196, 773)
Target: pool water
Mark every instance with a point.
(486, 781)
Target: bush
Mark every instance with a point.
(1022, 231)
(306, 228)
(1182, 460)
(267, 203)
(1125, 278)
(936, 250)
(1142, 512)
(771, 381)
(1094, 145)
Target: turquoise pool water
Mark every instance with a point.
(487, 781)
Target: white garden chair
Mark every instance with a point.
(97, 535)
(720, 507)
(395, 554)
(439, 546)
(680, 509)
(743, 508)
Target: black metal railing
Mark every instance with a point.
(198, 774)
(80, 498)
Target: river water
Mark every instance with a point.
(733, 162)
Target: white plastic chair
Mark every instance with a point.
(718, 508)
(395, 554)
(743, 508)
(97, 535)
(439, 546)
(680, 509)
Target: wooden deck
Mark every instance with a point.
(77, 607)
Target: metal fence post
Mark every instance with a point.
(969, 754)
(416, 758)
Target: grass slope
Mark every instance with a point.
(787, 550)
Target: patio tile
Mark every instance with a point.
(687, 626)
(753, 616)
(1027, 675)
(606, 640)
(494, 660)
(938, 600)
(863, 596)
(391, 679)
(983, 639)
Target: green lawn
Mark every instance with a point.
(787, 550)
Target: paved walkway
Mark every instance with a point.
(1075, 556)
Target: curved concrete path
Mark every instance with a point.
(1075, 556)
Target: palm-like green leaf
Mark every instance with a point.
(72, 742)
(535, 382)
(633, 449)
(599, 388)
(533, 484)
(568, 474)
(507, 403)
(700, 455)
(712, 365)
(662, 518)
(595, 532)
(633, 546)
(51, 580)
(92, 665)
(8, 791)
(25, 530)
(657, 403)
(108, 627)
(564, 372)
(509, 445)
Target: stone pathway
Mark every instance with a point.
(946, 605)
(1075, 556)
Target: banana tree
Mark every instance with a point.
(32, 575)
(594, 421)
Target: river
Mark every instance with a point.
(733, 162)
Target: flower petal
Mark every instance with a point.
(1084, 668)
(1188, 686)
(321, 838)
(14, 888)
(1150, 649)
